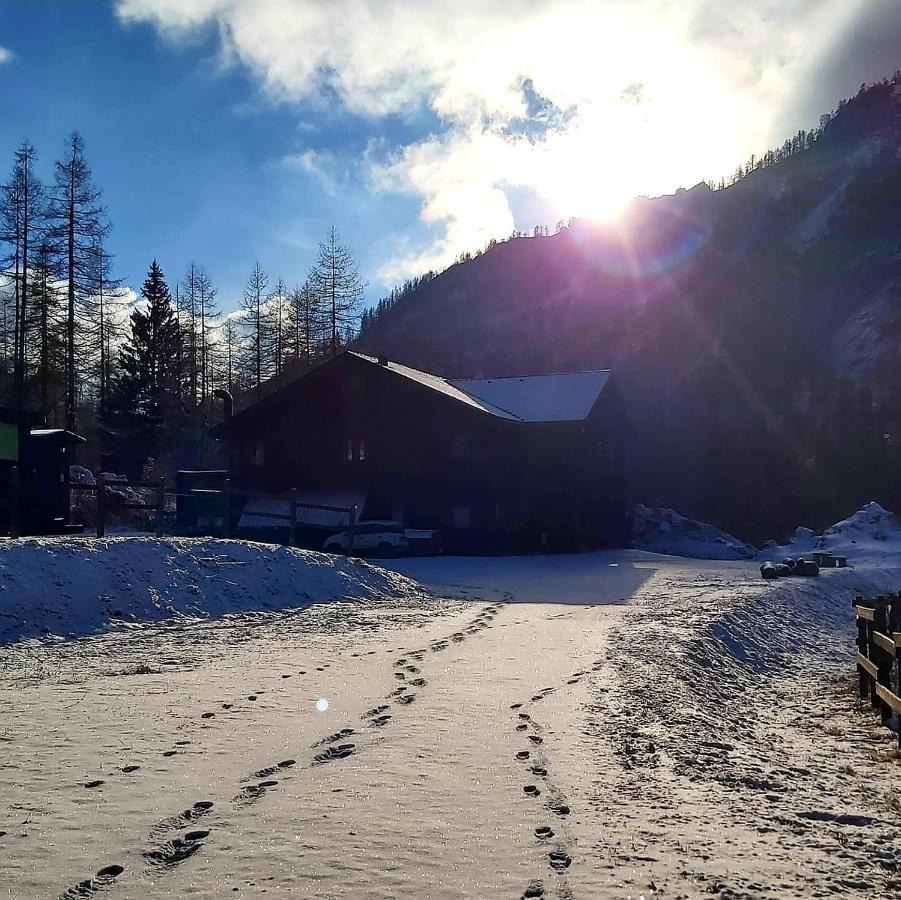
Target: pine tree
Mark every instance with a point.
(231, 351)
(47, 305)
(255, 320)
(305, 322)
(147, 391)
(187, 303)
(22, 223)
(207, 313)
(277, 326)
(80, 225)
(335, 279)
(105, 324)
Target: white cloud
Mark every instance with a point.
(6, 55)
(713, 75)
(320, 165)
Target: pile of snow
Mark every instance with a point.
(872, 535)
(75, 586)
(665, 531)
(81, 475)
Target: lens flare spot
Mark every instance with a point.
(322, 704)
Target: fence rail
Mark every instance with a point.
(879, 654)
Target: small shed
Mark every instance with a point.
(34, 474)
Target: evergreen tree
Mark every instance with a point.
(146, 401)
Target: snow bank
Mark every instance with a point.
(75, 586)
(871, 536)
(665, 531)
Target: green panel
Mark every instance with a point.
(9, 442)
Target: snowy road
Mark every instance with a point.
(569, 744)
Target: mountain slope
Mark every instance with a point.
(754, 329)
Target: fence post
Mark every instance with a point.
(227, 517)
(160, 506)
(101, 505)
(14, 502)
(350, 530)
(883, 660)
(863, 686)
(292, 518)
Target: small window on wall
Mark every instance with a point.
(259, 453)
(462, 517)
(354, 450)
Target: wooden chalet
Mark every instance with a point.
(497, 464)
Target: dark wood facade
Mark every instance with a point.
(491, 484)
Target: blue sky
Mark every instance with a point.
(190, 155)
(227, 131)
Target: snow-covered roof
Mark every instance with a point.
(58, 433)
(436, 383)
(567, 397)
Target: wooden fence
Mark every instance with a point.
(879, 654)
(228, 494)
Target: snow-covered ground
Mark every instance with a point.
(607, 725)
(869, 537)
(75, 586)
(665, 531)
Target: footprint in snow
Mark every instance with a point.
(105, 877)
(199, 809)
(252, 792)
(176, 851)
(339, 751)
(559, 860)
(337, 736)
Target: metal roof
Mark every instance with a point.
(568, 397)
(565, 397)
(436, 383)
(57, 433)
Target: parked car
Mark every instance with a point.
(377, 538)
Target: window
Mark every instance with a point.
(462, 517)
(259, 453)
(354, 450)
